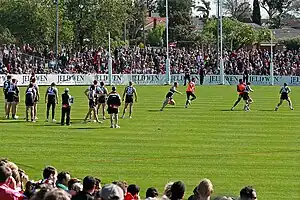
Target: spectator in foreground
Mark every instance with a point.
(151, 193)
(57, 194)
(49, 176)
(223, 198)
(248, 193)
(167, 192)
(205, 189)
(40, 194)
(8, 185)
(132, 192)
(177, 190)
(74, 186)
(62, 181)
(111, 192)
(89, 184)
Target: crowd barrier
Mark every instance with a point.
(145, 79)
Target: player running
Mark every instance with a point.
(37, 97)
(92, 105)
(169, 97)
(284, 91)
(51, 99)
(113, 104)
(13, 98)
(246, 97)
(6, 84)
(129, 92)
(102, 93)
(240, 89)
(190, 92)
(30, 95)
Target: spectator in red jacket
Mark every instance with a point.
(8, 188)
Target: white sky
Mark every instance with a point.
(214, 9)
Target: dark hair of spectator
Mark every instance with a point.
(133, 189)
(88, 183)
(48, 171)
(177, 190)
(246, 193)
(62, 176)
(95, 82)
(102, 83)
(4, 173)
(71, 182)
(151, 192)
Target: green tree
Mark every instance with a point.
(240, 10)
(204, 8)
(155, 36)
(180, 13)
(256, 16)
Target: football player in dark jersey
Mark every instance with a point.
(51, 99)
(284, 96)
(37, 97)
(12, 98)
(6, 84)
(102, 93)
(29, 102)
(86, 92)
(129, 92)
(92, 105)
(113, 104)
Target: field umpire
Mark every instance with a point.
(67, 100)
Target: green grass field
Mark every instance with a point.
(233, 149)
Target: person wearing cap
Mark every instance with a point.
(129, 92)
(111, 192)
(51, 99)
(6, 84)
(113, 103)
(67, 100)
(284, 95)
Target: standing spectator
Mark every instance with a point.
(62, 180)
(177, 190)
(202, 75)
(67, 100)
(187, 75)
(89, 184)
(246, 76)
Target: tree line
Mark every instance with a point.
(87, 22)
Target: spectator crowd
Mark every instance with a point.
(135, 60)
(15, 185)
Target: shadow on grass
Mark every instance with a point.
(154, 110)
(12, 121)
(88, 128)
(265, 110)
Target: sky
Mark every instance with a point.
(214, 9)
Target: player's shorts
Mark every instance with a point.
(92, 104)
(129, 99)
(35, 100)
(246, 97)
(169, 95)
(111, 110)
(102, 99)
(284, 96)
(241, 96)
(189, 94)
(10, 97)
(29, 102)
(5, 95)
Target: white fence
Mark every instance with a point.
(145, 79)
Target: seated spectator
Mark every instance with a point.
(205, 189)
(248, 193)
(151, 193)
(167, 192)
(111, 192)
(62, 180)
(8, 188)
(132, 192)
(89, 185)
(177, 190)
(57, 194)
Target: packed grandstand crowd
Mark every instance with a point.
(149, 60)
(16, 185)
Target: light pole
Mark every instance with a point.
(220, 41)
(168, 73)
(109, 61)
(57, 32)
(271, 61)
